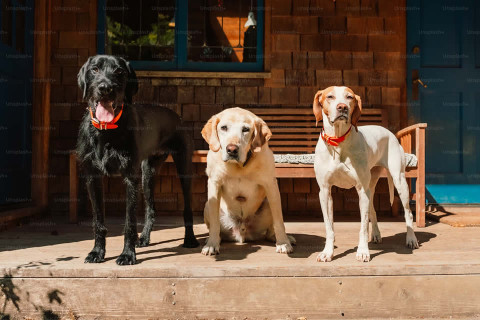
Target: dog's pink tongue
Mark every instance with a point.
(104, 111)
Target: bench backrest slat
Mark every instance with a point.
(294, 129)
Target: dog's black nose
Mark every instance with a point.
(232, 150)
(104, 88)
(342, 107)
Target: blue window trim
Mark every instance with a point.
(181, 62)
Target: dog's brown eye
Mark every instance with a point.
(330, 97)
(224, 128)
(95, 70)
(245, 129)
(350, 97)
(119, 71)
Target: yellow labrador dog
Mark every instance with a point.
(243, 196)
(348, 157)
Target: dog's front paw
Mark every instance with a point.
(143, 241)
(95, 257)
(325, 256)
(190, 242)
(284, 248)
(211, 248)
(363, 255)
(412, 241)
(127, 258)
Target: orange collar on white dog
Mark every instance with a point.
(335, 141)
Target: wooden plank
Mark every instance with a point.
(286, 117)
(318, 129)
(41, 103)
(292, 143)
(281, 136)
(427, 296)
(13, 215)
(190, 74)
(73, 200)
(307, 111)
(274, 111)
(293, 149)
(420, 184)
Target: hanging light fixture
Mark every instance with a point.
(251, 17)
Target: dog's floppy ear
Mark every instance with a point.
(261, 135)
(357, 111)
(82, 81)
(210, 134)
(317, 106)
(132, 83)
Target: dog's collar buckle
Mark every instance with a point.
(334, 141)
(101, 125)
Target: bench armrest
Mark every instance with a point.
(416, 135)
(413, 135)
(409, 129)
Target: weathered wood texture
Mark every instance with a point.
(44, 273)
(41, 103)
(252, 298)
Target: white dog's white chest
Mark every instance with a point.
(337, 172)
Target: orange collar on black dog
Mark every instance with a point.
(105, 125)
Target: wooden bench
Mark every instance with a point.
(294, 131)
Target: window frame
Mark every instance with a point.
(180, 62)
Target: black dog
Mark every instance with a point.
(119, 137)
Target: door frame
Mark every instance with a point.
(40, 115)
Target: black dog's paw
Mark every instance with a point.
(143, 242)
(95, 257)
(128, 258)
(190, 242)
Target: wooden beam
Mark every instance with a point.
(190, 74)
(420, 184)
(15, 214)
(41, 102)
(73, 200)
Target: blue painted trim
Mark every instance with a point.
(453, 193)
(181, 62)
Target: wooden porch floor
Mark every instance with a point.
(44, 274)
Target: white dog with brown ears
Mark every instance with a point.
(243, 197)
(347, 156)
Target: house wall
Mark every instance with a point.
(309, 44)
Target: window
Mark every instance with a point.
(190, 35)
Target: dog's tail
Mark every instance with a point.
(390, 187)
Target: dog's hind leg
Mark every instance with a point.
(400, 183)
(148, 185)
(182, 156)
(396, 168)
(128, 255)
(95, 193)
(375, 236)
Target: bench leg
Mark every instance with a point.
(73, 201)
(420, 202)
(396, 206)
